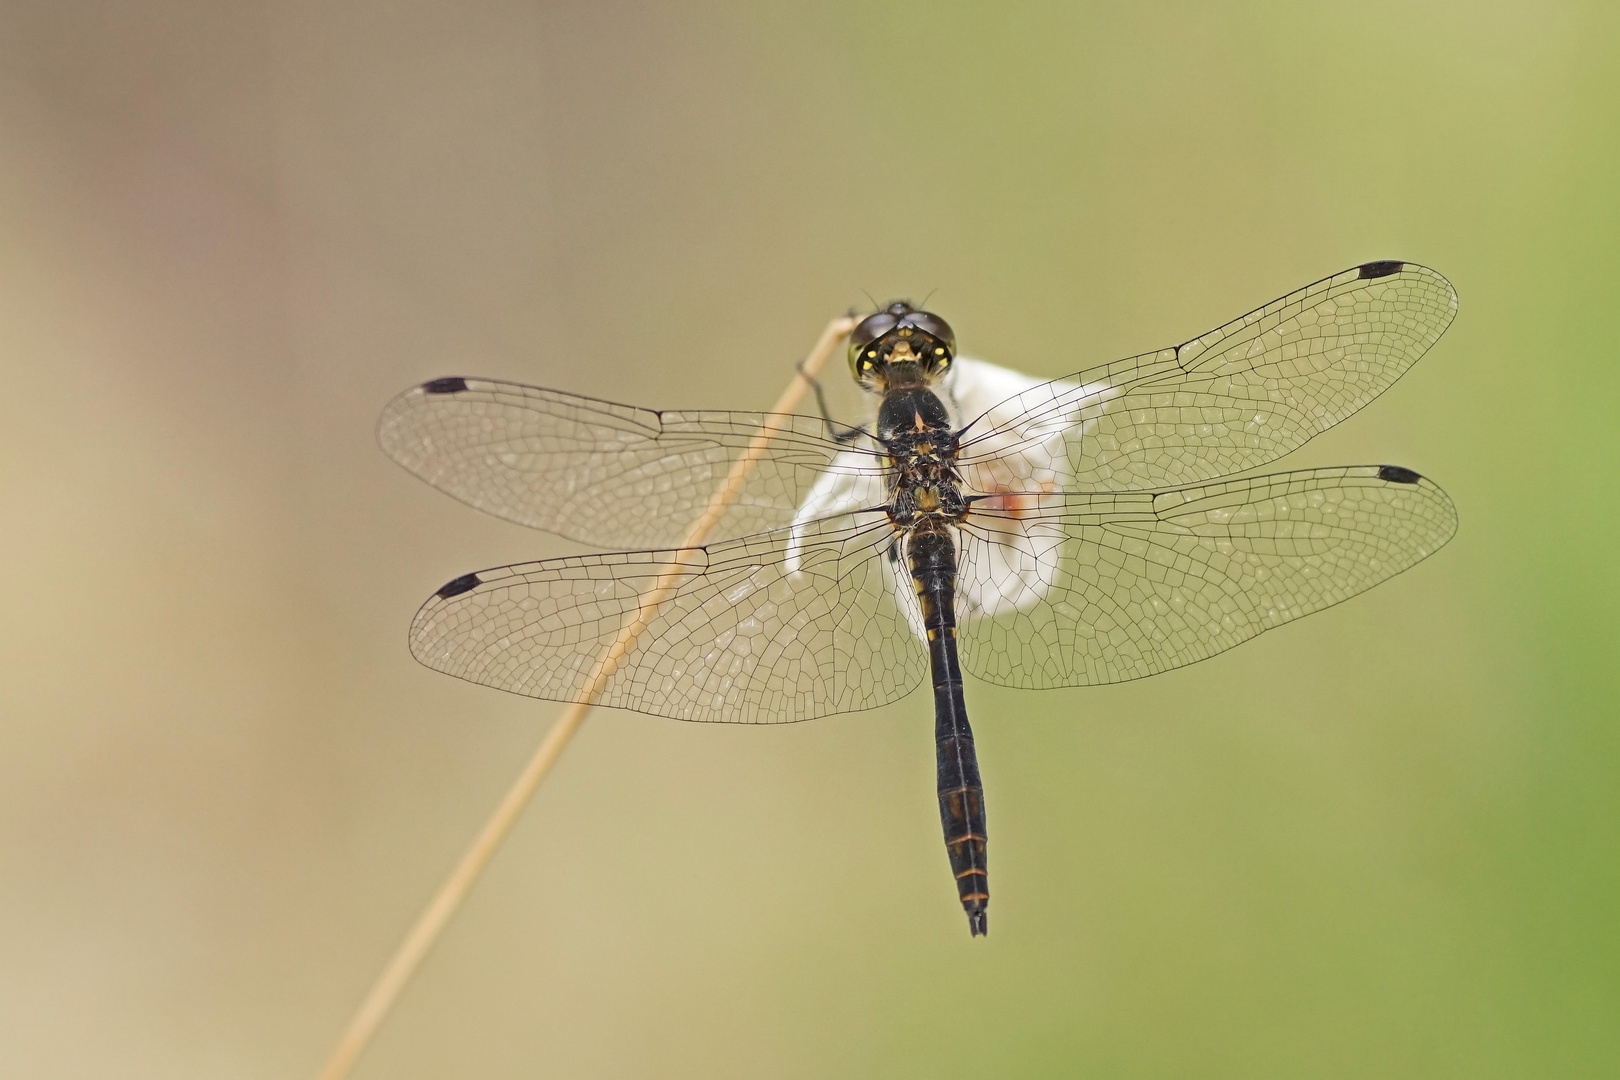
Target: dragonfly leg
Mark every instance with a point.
(837, 432)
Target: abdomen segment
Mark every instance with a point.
(932, 555)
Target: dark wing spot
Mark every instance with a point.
(453, 385)
(1396, 475)
(464, 583)
(1381, 269)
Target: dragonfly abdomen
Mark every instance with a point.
(932, 553)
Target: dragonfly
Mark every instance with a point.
(1096, 528)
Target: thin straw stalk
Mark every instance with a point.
(431, 923)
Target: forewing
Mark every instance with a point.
(1240, 396)
(597, 472)
(747, 633)
(1115, 586)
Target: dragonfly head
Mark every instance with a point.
(900, 334)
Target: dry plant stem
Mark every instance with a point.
(432, 921)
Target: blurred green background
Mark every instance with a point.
(1380, 842)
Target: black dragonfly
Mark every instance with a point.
(1032, 533)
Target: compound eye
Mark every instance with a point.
(870, 329)
(935, 327)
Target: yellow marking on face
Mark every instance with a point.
(917, 417)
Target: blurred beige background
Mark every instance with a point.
(1380, 842)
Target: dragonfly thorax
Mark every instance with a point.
(915, 432)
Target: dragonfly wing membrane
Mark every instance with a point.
(1240, 396)
(597, 472)
(1121, 585)
(741, 637)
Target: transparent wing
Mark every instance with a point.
(1235, 398)
(597, 472)
(1078, 589)
(771, 628)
